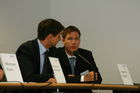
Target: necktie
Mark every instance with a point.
(45, 62)
(72, 61)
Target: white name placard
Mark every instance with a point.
(58, 73)
(11, 68)
(125, 75)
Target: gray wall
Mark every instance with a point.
(19, 20)
(110, 29)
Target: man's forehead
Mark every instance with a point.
(72, 35)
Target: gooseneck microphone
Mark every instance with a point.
(76, 53)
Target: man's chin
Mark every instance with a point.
(74, 50)
(53, 46)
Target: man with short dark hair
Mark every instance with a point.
(33, 55)
(30, 54)
(77, 68)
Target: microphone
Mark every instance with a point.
(76, 53)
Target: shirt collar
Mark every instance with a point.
(42, 49)
(69, 56)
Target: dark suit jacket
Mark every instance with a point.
(81, 65)
(29, 61)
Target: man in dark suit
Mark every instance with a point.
(32, 56)
(85, 69)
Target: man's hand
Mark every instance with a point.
(71, 75)
(52, 80)
(1, 74)
(90, 76)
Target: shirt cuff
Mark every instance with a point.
(82, 78)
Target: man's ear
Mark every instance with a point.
(50, 36)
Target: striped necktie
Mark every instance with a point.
(45, 62)
(72, 61)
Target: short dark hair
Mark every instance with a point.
(70, 29)
(49, 26)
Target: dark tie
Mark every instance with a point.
(72, 61)
(45, 62)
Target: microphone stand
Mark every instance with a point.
(77, 53)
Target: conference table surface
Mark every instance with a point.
(33, 85)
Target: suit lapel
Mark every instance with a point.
(66, 62)
(80, 66)
(37, 55)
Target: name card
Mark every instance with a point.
(11, 68)
(126, 77)
(58, 73)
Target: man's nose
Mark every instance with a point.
(73, 41)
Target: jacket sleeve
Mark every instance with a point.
(29, 65)
(92, 66)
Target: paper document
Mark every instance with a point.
(126, 77)
(11, 68)
(57, 70)
(84, 73)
